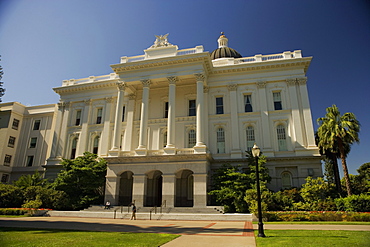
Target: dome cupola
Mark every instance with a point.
(223, 50)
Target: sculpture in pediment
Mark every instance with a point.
(161, 41)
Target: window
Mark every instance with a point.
(78, 117)
(220, 141)
(5, 178)
(33, 142)
(123, 113)
(277, 101)
(165, 109)
(36, 125)
(248, 103)
(280, 129)
(15, 124)
(165, 139)
(99, 115)
(286, 180)
(11, 141)
(250, 138)
(219, 105)
(74, 147)
(192, 107)
(7, 160)
(192, 139)
(96, 145)
(29, 160)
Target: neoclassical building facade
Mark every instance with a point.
(167, 119)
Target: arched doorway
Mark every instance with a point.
(125, 188)
(184, 188)
(153, 190)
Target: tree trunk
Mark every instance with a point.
(338, 186)
(344, 166)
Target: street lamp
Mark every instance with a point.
(256, 153)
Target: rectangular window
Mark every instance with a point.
(78, 117)
(36, 125)
(220, 141)
(123, 113)
(192, 138)
(219, 105)
(7, 160)
(15, 124)
(282, 142)
(277, 101)
(250, 138)
(165, 109)
(248, 103)
(11, 141)
(99, 115)
(29, 160)
(192, 107)
(33, 142)
(5, 178)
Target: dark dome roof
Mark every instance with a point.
(225, 52)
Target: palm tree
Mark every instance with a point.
(337, 132)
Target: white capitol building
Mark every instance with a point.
(166, 120)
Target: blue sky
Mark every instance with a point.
(43, 42)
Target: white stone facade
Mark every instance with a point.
(166, 119)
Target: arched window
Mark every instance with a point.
(281, 137)
(220, 141)
(286, 180)
(192, 139)
(96, 145)
(250, 137)
(74, 147)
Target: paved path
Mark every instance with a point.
(193, 233)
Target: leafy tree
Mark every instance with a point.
(364, 171)
(284, 200)
(2, 90)
(45, 197)
(10, 196)
(338, 131)
(82, 179)
(359, 184)
(35, 179)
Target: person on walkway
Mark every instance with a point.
(107, 205)
(133, 216)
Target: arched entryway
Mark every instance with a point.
(125, 188)
(153, 190)
(184, 188)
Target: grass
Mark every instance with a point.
(314, 238)
(51, 237)
(317, 222)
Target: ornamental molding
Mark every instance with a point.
(199, 77)
(132, 96)
(161, 41)
(108, 99)
(87, 102)
(261, 84)
(84, 87)
(64, 104)
(121, 85)
(291, 82)
(205, 89)
(95, 133)
(232, 87)
(302, 81)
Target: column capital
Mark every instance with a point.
(232, 87)
(261, 84)
(172, 79)
(64, 104)
(132, 96)
(108, 99)
(87, 101)
(146, 82)
(302, 81)
(121, 85)
(199, 77)
(205, 89)
(291, 81)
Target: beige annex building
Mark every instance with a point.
(167, 119)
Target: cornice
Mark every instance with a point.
(86, 86)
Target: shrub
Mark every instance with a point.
(316, 216)
(354, 203)
(12, 211)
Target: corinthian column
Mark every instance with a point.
(171, 112)
(200, 112)
(144, 115)
(118, 116)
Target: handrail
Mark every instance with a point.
(151, 210)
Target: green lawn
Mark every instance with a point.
(314, 238)
(317, 222)
(51, 237)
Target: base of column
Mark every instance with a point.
(200, 149)
(113, 153)
(141, 151)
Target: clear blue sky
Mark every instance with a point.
(43, 42)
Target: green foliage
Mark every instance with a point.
(284, 200)
(12, 211)
(83, 180)
(10, 196)
(316, 216)
(364, 171)
(49, 197)
(354, 203)
(360, 184)
(35, 179)
(251, 199)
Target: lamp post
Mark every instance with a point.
(256, 153)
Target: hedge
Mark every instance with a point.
(316, 216)
(13, 211)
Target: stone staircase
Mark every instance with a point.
(151, 213)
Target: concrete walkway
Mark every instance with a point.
(193, 233)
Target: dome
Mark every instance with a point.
(223, 50)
